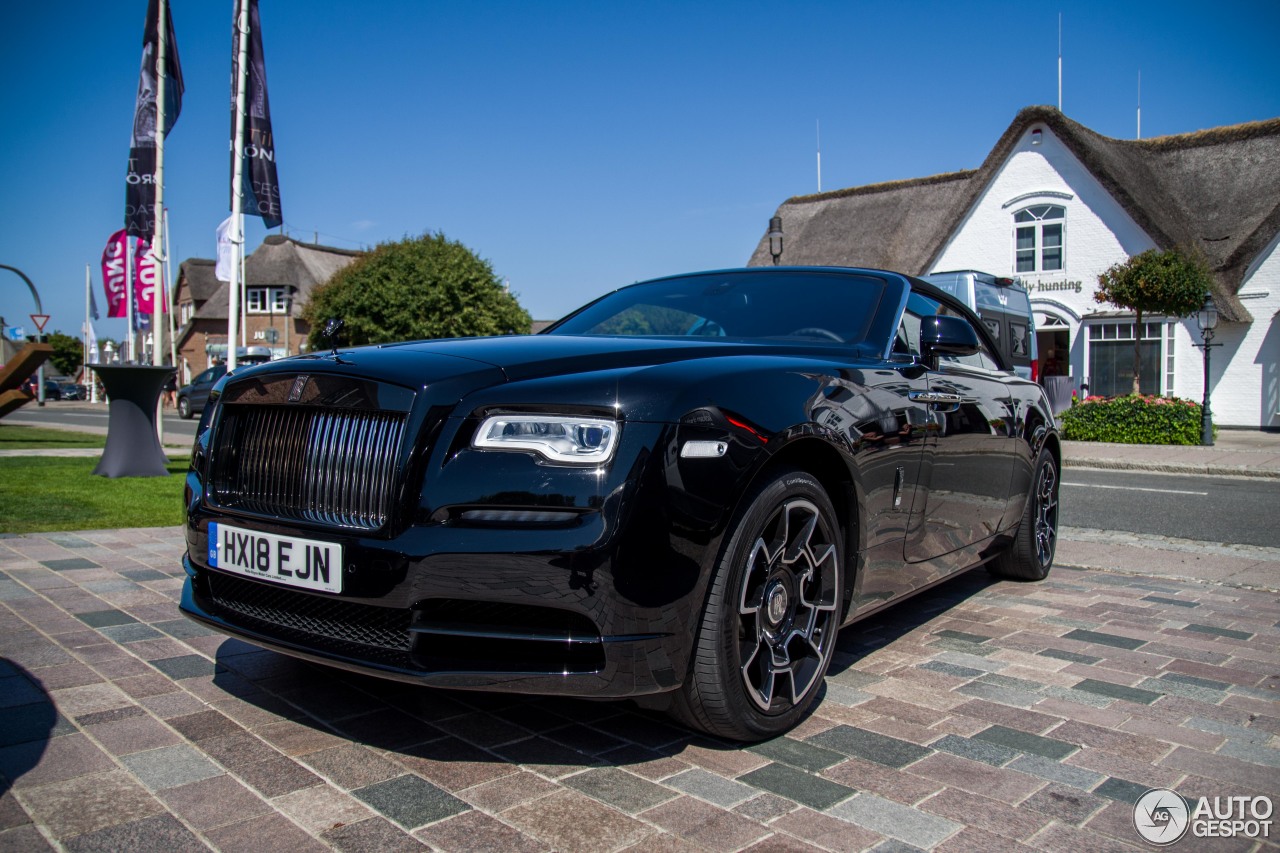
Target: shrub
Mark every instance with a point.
(1134, 419)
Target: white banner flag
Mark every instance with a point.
(223, 268)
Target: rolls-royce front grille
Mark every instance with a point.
(348, 628)
(325, 465)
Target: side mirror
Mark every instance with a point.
(943, 335)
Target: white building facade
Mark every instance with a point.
(1056, 205)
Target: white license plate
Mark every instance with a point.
(291, 560)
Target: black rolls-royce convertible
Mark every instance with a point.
(678, 493)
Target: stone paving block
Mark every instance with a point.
(247, 836)
(455, 765)
(1026, 742)
(185, 666)
(161, 832)
(170, 766)
(726, 793)
(985, 813)
(508, 791)
(622, 790)
(1117, 691)
(569, 821)
(410, 801)
(827, 832)
(478, 832)
(132, 734)
(886, 817)
(375, 835)
(277, 775)
(213, 802)
(36, 762)
(813, 791)
(87, 803)
(798, 753)
(860, 743)
(321, 808)
(977, 750)
(1064, 803)
(1054, 771)
(706, 825)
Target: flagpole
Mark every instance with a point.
(128, 295)
(237, 173)
(90, 379)
(168, 278)
(88, 294)
(162, 40)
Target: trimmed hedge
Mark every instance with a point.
(1134, 419)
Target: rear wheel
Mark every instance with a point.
(184, 408)
(768, 629)
(1030, 556)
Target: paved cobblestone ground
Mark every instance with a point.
(983, 716)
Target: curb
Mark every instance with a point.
(1172, 468)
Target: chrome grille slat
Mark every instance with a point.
(332, 466)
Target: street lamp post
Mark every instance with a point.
(1207, 320)
(775, 239)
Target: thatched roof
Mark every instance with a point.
(278, 261)
(1216, 191)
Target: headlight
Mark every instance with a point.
(576, 441)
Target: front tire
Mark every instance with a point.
(1030, 556)
(768, 628)
(184, 408)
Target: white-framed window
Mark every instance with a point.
(1039, 233)
(268, 300)
(186, 311)
(1111, 357)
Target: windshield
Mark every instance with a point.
(741, 305)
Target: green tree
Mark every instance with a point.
(1173, 283)
(68, 353)
(419, 287)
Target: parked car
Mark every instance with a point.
(1005, 309)
(72, 391)
(678, 493)
(52, 391)
(193, 396)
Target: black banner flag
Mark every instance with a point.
(140, 189)
(259, 185)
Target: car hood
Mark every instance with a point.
(521, 357)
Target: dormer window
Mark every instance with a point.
(1038, 238)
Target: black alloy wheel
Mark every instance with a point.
(768, 629)
(1030, 556)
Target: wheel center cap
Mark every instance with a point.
(776, 603)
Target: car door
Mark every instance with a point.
(967, 464)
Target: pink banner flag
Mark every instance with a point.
(113, 274)
(147, 280)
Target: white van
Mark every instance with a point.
(1005, 309)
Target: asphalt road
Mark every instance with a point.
(94, 418)
(1239, 511)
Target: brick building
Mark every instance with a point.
(279, 277)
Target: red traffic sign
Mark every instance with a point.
(40, 320)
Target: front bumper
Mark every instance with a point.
(501, 637)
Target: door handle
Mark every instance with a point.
(937, 400)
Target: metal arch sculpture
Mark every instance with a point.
(34, 293)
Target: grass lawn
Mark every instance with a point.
(42, 493)
(15, 437)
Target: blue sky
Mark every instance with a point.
(576, 145)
